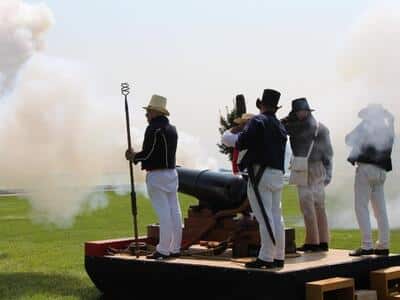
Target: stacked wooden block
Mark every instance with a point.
(387, 283)
(332, 288)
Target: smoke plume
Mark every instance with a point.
(22, 29)
(369, 70)
(60, 138)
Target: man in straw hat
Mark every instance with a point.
(230, 136)
(310, 139)
(264, 138)
(372, 143)
(158, 159)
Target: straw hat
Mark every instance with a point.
(158, 103)
(243, 119)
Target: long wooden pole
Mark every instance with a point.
(125, 90)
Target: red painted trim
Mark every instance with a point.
(98, 248)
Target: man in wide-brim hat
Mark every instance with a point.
(264, 138)
(158, 159)
(372, 143)
(303, 129)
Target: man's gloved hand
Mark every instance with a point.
(130, 154)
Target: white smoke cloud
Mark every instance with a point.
(60, 137)
(22, 29)
(369, 70)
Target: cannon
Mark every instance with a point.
(223, 213)
(215, 190)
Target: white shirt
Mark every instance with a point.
(229, 139)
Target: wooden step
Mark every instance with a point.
(342, 288)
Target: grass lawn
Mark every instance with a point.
(44, 262)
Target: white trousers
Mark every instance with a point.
(162, 186)
(369, 186)
(270, 188)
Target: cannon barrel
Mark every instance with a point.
(214, 190)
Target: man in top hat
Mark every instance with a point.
(230, 136)
(158, 159)
(372, 143)
(310, 138)
(264, 138)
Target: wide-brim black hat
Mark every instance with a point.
(300, 104)
(270, 97)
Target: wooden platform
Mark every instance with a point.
(307, 261)
(223, 278)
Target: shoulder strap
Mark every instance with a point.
(313, 140)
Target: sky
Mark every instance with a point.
(200, 54)
(340, 55)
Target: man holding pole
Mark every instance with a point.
(158, 159)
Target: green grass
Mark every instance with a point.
(44, 262)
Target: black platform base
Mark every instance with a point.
(124, 277)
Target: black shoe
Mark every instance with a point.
(279, 263)
(157, 255)
(383, 252)
(323, 247)
(259, 264)
(175, 255)
(309, 248)
(361, 251)
(304, 248)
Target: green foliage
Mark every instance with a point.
(226, 122)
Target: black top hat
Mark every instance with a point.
(269, 97)
(240, 105)
(300, 104)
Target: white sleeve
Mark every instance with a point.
(229, 139)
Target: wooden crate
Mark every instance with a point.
(332, 288)
(380, 280)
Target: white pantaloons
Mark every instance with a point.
(270, 188)
(369, 186)
(162, 187)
